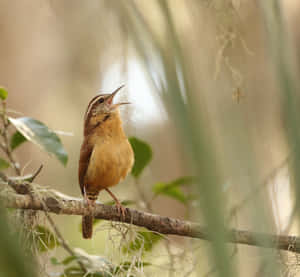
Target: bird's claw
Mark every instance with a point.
(121, 210)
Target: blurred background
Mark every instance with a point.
(213, 87)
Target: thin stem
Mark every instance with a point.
(150, 209)
(258, 188)
(6, 146)
(63, 242)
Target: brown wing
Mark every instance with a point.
(85, 155)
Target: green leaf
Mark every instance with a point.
(172, 189)
(142, 155)
(144, 239)
(4, 164)
(185, 180)
(68, 260)
(38, 133)
(54, 261)
(16, 140)
(75, 271)
(3, 93)
(45, 239)
(65, 261)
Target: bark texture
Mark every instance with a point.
(55, 202)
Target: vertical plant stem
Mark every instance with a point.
(166, 242)
(6, 146)
(63, 242)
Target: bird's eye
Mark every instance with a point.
(101, 100)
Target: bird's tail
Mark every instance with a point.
(87, 226)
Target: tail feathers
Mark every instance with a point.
(87, 226)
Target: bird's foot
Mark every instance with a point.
(121, 209)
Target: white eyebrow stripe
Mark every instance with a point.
(90, 105)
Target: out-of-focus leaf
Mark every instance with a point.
(65, 261)
(145, 240)
(45, 239)
(185, 180)
(16, 140)
(3, 93)
(76, 271)
(54, 261)
(142, 155)
(73, 271)
(38, 133)
(68, 260)
(3, 164)
(95, 263)
(16, 258)
(172, 189)
(123, 267)
(11, 210)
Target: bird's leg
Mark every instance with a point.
(120, 207)
(90, 204)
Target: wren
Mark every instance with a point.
(106, 156)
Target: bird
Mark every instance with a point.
(106, 156)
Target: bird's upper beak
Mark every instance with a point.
(110, 98)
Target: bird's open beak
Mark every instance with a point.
(110, 98)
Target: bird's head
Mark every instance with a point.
(102, 106)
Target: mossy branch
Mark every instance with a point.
(55, 202)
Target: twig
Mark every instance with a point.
(6, 147)
(150, 209)
(258, 188)
(20, 188)
(32, 178)
(63, 242)
(61, 204)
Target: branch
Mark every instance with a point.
(55, 202)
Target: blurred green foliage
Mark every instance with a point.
(173, 189)
(45, 240)
(3, 93)
(3, 164)
(144, 241)
(142, 155)
(16, 140)
(15, 260)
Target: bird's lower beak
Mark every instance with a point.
(114, 106)
(123, 103)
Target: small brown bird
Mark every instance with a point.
(106, 156)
